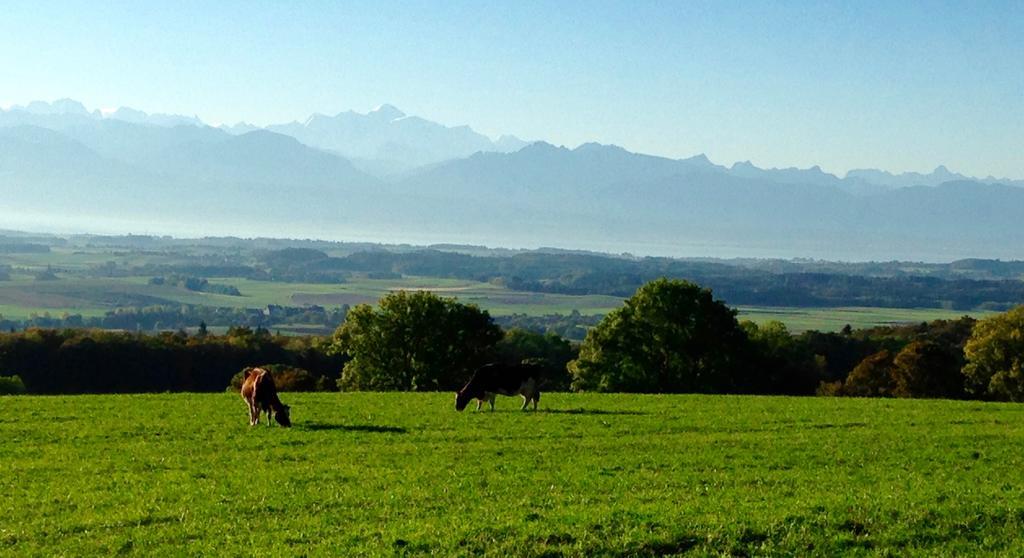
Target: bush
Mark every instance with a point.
(286, 378)
(11, 385)
(830, 389)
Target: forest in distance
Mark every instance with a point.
(139, 282)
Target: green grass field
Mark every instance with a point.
(834, 319)
(589, 475)
(23, 295)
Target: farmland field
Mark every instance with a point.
(611, 475)
(23, 296)
(834, 319)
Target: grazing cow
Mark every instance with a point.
(260, 394)
(505, 379)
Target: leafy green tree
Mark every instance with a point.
(671, 336)
(928, 369)
(995, 356)
(414, 341)
(872, 377)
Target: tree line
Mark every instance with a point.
(671, 336)
(184, 316)
(51, 361)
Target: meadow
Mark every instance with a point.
(24, 296)
(834, 319)
(588, 475)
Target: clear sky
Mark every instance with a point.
(892, 85)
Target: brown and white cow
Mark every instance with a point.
(504, 379)
(260, 394)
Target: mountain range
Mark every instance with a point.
(387, 137)
(385, 140)
(388, 176)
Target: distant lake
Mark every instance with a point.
(815, 247)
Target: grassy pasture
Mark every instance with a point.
(496, 299)
(833, 319)
(606, 475)
(22, 295)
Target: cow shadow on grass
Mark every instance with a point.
(377, 428)
(561, 412)
(589, 412)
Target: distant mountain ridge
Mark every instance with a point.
(384, 140)
(938, 176)
(388, 134)
(389, 142)
(66, 164)
(63, 112)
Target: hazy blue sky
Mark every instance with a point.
(895, 85)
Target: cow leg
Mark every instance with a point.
(536, 399)
(252, 413)
(479, 403)
(526, 401)
(490, 399)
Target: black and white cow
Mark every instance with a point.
(504, 379)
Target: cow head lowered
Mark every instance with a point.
(283, 415)
(465, 395)
(260, 394)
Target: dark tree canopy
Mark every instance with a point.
(872, 377)
(548, 351)
(92, 361)
(669, 337)
(414, 341)
(928, 369)
(781, 363)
